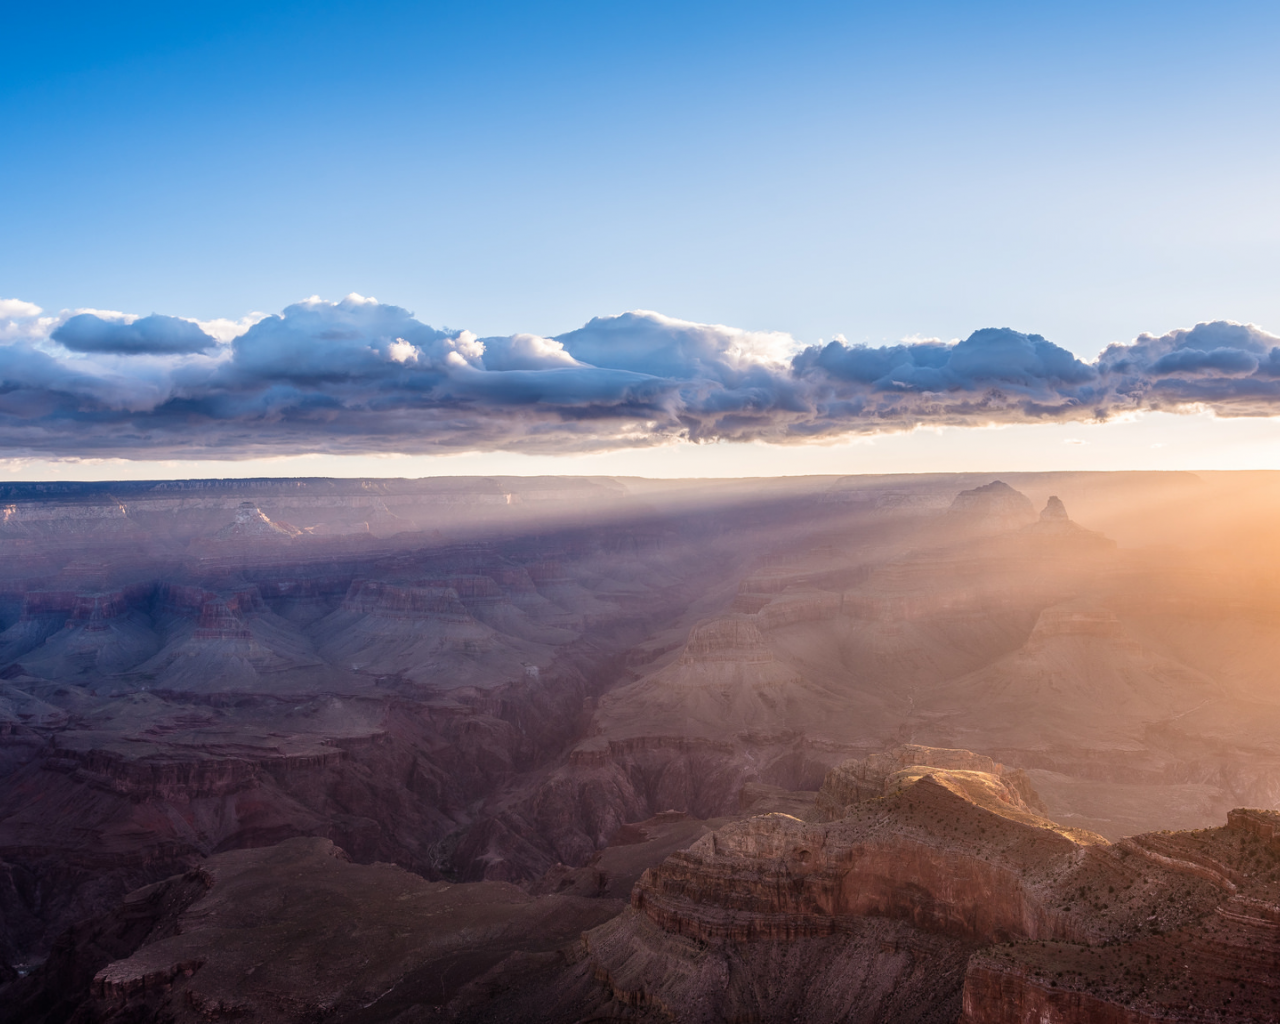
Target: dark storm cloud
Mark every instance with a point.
(361, 376)
(154, 335)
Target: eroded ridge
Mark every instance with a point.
(948, 865)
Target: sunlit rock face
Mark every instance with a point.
(1005, 790)
(955, 867)
(1216, 966)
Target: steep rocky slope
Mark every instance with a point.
(373, 698)
(1079, 682)
(948, 895)
(293, 932)
(1218, 964)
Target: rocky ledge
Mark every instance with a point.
(946, 865)
(1219, 964)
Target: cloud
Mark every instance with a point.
(149, 335)
(1230, 368)
(987, 358)
(525, 352)
(22, 320)
(996, 375)
(358, 375)
(314, 342)
(224, 329)
(647, 342)
(1218, 361)
(42, 396)
(16, 309)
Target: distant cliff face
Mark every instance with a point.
(727, 639)
(250, 523)
(993, 506)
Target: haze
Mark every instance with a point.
(537, 690)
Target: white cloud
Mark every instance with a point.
(225, 329)
(525, 352)
(647, 342)
(21, 321)
(400, 351)
(113, 315)
(468, 347)
(17, 309)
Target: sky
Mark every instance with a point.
(897, 176)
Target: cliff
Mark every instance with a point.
(1216, 965)
(992, 507)
(1004, 790)
(1051, 923)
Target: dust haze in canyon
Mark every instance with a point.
(989, 748)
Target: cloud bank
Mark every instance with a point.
(157, 335)
(359, 376)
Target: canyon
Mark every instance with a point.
(930, 748)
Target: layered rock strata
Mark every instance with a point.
(857, 780)
(1220, 964)
(952, 867)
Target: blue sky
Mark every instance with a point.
(1085, 172)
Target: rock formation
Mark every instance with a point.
(725, 681)
(1079, 680)
(1055, 523)
(1217, 964)
(1003, 790)
(991, 507)
(1019, 918)
(1054, 510)
(251, 524)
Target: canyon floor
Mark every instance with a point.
(980, 748)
